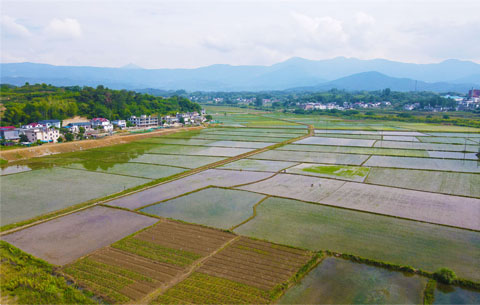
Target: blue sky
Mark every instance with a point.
(187, 34)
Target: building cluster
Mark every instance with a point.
(345, 106)
(49, 131)
(470, 102)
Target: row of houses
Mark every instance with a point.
(49, 130)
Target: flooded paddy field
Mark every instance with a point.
(311, 157)
(211, 177)
(214, 207)
(467, 166)
(423, 206)
(33, 193)
(465, 184)
(258, 165)
(356, 150)
(337, 281)
(65, 239)
(404, 242)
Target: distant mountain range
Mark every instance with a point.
(298, 73)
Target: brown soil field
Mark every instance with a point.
(255, 263)
(186, 237)
(56, 148)
(65, 239)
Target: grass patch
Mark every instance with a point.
(338, 170)
(30, 280)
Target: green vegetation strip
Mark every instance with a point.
(429, 292)
(156, 252)
(338, 170)
(29, 279)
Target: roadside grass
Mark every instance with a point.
(28, 279)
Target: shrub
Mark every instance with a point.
(445, 275)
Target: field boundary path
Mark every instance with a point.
(311, 131)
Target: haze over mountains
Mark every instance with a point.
(295, 74)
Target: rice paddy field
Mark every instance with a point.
(244, 211)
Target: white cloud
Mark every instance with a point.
(67, 28)
(12, 28)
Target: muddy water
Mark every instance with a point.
(454, 295)
(337, 281)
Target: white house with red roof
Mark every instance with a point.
(102, 123)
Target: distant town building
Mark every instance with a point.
(32, 125)
(474, 93)
(144, 121)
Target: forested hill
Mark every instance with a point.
(30, 103)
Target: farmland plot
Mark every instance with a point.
(400, 138)
(453, 155)
(63, 240)
(435, 208)
(337, 281)
(252, 134)
(178, 141)
(367, 132)
(258, 138)
(220, 208)
(352, 173)
(318, 133)
(245, 272)
(135, 266)
(295, 186)
(448, 140)
(214, 177)
(464, 184)
(469, 166)
(455, 134)
(335, 141)
(258, 165)
(427, 146)
(150, 171)
(241, 144)
(177, 160)
(201, 288)
(33, 193)
(266, 131)
(198, 150)
(356, 150)
(311, 157)
(390, 239)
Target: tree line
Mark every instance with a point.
(30, 103)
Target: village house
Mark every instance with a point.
(101, 123)
(43, 134)
(51, 123)
(9, 133)
(75, 127)
(144, 120)
(120, 123)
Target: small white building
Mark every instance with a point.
(42, 134)
(120, 123)
(102, 123)
(32, 126)
(144, 120)
(75, 127)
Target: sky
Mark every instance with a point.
(189, 34)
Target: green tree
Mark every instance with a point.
(445, 275)
(69, 136)
(208, 117)
(23, 138)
